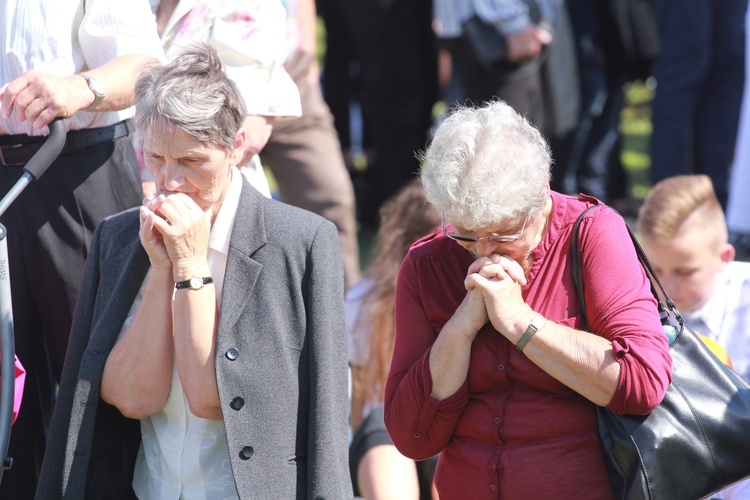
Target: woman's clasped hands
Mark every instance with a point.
(499, 280)
(174, 230)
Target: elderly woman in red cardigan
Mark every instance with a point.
(491, 368)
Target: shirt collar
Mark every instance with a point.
(222, 228)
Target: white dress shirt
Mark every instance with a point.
(725, 318)
(65, 37)
(183, 456)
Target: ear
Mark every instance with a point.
(238, 147)
(726, 254)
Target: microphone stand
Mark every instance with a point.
(32, 171)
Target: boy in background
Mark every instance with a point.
(684, 233)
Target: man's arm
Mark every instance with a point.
(527, 43)
(40, 97)
(307, 18)
(515, 21)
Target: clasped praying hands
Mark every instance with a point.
(175, 232)
(499, 279)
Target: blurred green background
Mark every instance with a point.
(635, 131)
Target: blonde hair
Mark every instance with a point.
(404, 218)
(673, 201)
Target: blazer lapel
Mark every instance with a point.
(248, 235)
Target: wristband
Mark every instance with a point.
(535, 325)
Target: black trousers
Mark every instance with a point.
(701, 76)
(50, 226)
(394, 46)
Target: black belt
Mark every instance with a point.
(17, 150)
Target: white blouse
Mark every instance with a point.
(183, 456)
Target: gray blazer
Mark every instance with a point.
(281, 361)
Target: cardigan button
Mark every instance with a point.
(246, 452)
(232, 354)
(237, 403)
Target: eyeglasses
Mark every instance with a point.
(493, 238)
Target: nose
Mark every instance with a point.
(483, 248)
(173, 178)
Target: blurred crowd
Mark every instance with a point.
(393, 68)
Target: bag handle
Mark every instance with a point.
(667, 309)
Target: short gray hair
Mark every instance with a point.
(486, 165)
(192, 93)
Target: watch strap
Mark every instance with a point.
(535, 325)
(93, 85)
(196, 282)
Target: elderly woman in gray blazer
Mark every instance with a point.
(208, 355)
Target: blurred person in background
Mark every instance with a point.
(378, 470)
(616, 42)
(304, 154)
(519, 31)
(699, 80)
(738, 205)
(684, 233)
(395, 59)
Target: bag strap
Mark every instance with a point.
(667, 309)
(576, 267)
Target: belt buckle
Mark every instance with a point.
(2, 156)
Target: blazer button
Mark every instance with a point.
(246, 452)
(232, 354)
(237, 403)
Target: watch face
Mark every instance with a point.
(538, 322)
(196, 282)
(96, 86)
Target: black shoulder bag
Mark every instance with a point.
(697, 441)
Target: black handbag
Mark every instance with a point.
(697, 441)
(488, 45)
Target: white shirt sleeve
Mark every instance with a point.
(111, 29)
